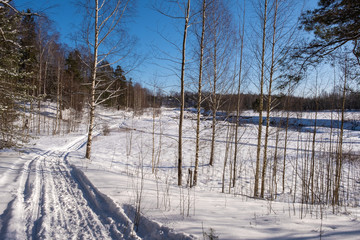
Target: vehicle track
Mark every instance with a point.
(53, 202)
(53, 199)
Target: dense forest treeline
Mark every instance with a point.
(250, 101)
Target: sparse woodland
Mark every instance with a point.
(260, 113)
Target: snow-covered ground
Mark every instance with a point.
(50, 191)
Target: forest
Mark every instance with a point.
(265, 106)
(40, 68)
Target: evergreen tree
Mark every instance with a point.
(12, 91)
(29, 50)
(335, 23)
(121, 85)
(74, 90)
(105, 83)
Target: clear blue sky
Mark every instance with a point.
(66, 18)
(146, 25)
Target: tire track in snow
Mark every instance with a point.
(13, 222)
(120, 226)
(55, 200)
(66, 211)
(50, 204)
(12, 173)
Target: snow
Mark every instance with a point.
(50, 191)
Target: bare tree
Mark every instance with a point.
(43, 41)
(102, 21)
(59, 77)
(268, 107)
(242, 33)
(183, 7)
(339, 155)
(186, 25)
(312, 166)
(199, 100)
(262, 73)
(219, 42)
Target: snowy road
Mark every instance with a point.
(54, 200)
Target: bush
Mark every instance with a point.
(106, 130)
(211, 235)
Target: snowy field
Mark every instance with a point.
(50, 191)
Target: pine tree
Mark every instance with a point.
(74, 94)
(335, 23)
(29, 50)
(12, 91)
(120, 84)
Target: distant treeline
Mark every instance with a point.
(326, 101)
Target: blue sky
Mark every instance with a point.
(62, 12)
(145, 25)
(66, 17)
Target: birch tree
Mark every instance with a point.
(264, 20)
(339, 152)
(104, 36)
(178, 10)
(219, 45)
(240, 78)
(268, 107)
(182, 92)
(282, 36)
(199, 100)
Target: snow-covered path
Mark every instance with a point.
(54, 200)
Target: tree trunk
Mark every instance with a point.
(312, 167)
(214, 106)
(338, 167)
(257, 170)
(285, 145)
(238, 100)
(187, 15)
(57, 119)
(199, 95)
(39, 92)
(227, 147)
(274, 169)
(269, 102)
(93, 83)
